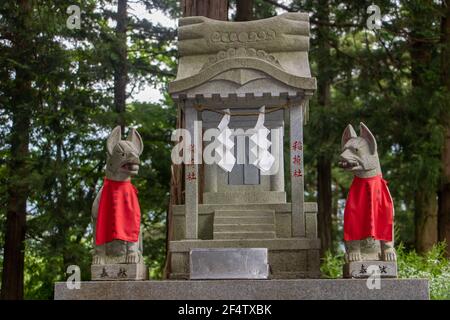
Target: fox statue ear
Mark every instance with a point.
(349, 133)
(135, 138)
(365, 133)
(113, 139)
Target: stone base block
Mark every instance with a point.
(288, 258)
(121, 272)
(364, 269)
(304, 289)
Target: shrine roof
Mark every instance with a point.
(273, 49)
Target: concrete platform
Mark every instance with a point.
(298, 289)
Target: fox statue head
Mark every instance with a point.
(123, 155)
(359, 154)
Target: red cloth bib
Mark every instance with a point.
(119, 215)
(369, 210)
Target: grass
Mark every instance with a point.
(433, 266)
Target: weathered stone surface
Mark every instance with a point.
(362, 269)
(288, 258)
(180, 263)
(135, 271)
(244, 227)
(277, 207)
(210, 48)
(245, 235)
(243, 213)
(311, 225)
(243, 220)
(200, 35)
(218, 77)
(191, 178)
(283, 224)
(271, 244)
(229, 263)
(244, 197)
(313, 261)
(244, 224)
(296, 170)
(305, 289)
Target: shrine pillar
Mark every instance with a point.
(191, 173)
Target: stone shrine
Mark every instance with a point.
(241, 67)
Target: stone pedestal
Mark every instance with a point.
(250, 225)
(290, 258)
(304, 289)
(364, 269)
(124, 272)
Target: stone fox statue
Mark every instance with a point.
(116, 212)
(369, 210)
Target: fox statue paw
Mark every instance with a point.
(353, 256)
(98, 259)
(133, 257)
(389, 255)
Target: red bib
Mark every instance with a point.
(119, 215)
(369, 210)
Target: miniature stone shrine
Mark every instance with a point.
(246, 75)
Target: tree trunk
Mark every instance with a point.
(324, 197)
(244, 10)
(324, 194)
(121, 67)
(425, 220)
(444, 192)
(214, 9)
(425, 197)
(18, 188)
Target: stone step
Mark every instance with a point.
(184, 246)
(244, 235)
(244, 220)
(238, 197)
(244, 213)
(244, 227)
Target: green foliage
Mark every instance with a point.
(433, 266)
(331, 266)
(72, 114)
